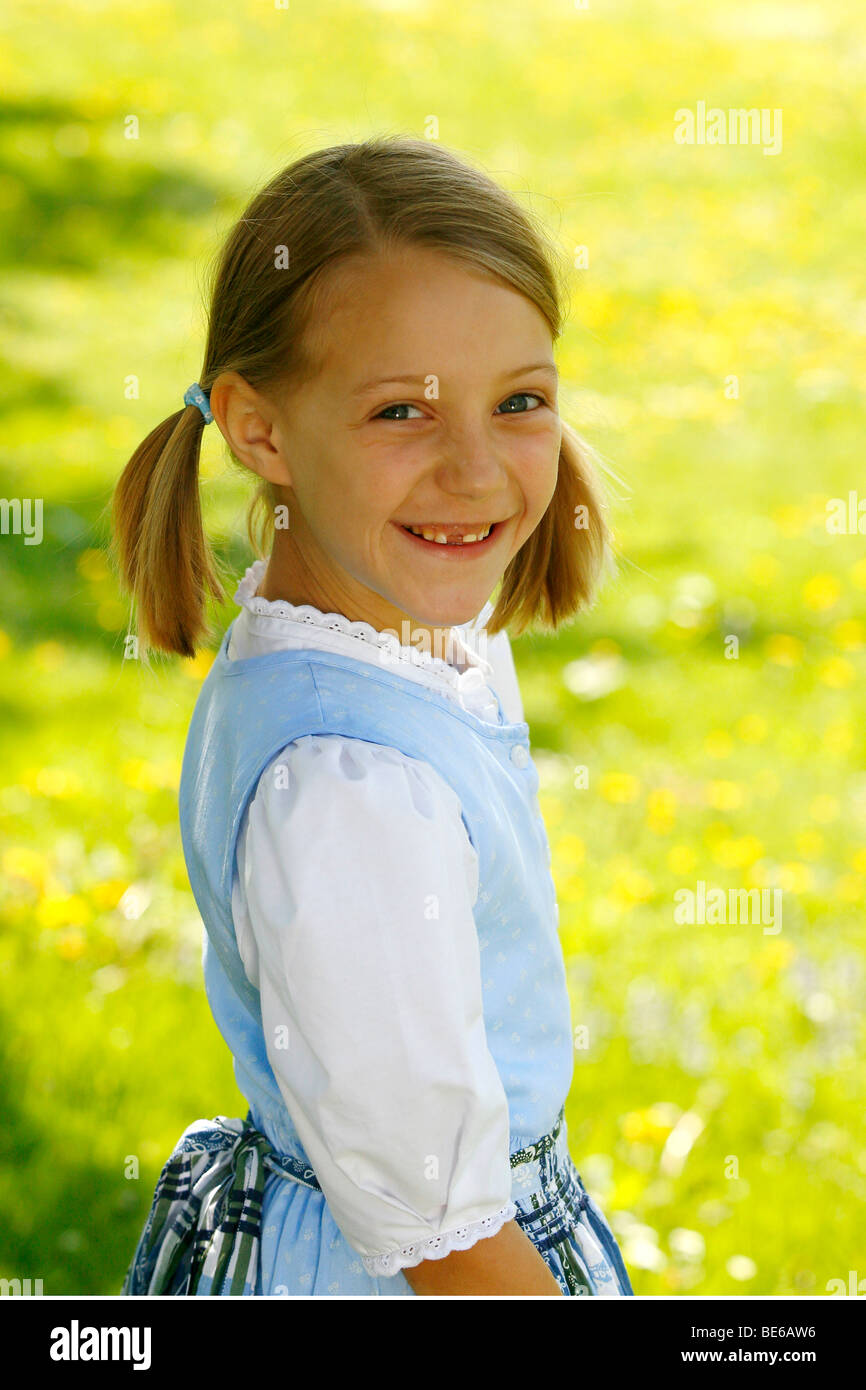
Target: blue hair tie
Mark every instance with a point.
(194, 395)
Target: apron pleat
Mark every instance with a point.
(566, 1226)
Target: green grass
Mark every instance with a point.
(705, 262)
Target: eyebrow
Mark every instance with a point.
(397, 380)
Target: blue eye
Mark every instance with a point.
(402, 405)
(523, 395)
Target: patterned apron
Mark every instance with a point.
(203, 1233)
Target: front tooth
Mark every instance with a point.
(440, 538)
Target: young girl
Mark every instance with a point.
(357, 801)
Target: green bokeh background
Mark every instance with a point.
(717, 1112)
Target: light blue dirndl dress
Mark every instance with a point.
(238, 1209)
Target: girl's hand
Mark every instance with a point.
(505, 1264)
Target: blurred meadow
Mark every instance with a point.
(714, 357)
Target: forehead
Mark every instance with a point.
(420, 310)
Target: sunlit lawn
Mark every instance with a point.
(718, 1098)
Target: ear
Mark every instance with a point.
(247, 421)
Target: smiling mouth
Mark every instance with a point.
(448, 534)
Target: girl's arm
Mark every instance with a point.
(507, 1263)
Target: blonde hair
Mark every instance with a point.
(368, 198)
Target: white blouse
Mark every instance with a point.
(352, 908)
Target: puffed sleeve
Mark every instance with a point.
(353, 908)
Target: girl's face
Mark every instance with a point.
(435, 407)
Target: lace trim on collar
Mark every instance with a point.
(245, 595)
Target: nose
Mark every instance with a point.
(472, 466)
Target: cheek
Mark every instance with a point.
(351, 530)
(538, 468)
(330, 521)
(336, 506)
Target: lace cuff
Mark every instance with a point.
(437, 1247)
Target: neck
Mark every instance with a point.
(290, 576)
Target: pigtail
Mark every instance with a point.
(162, 554)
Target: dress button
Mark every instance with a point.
(520, 755)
